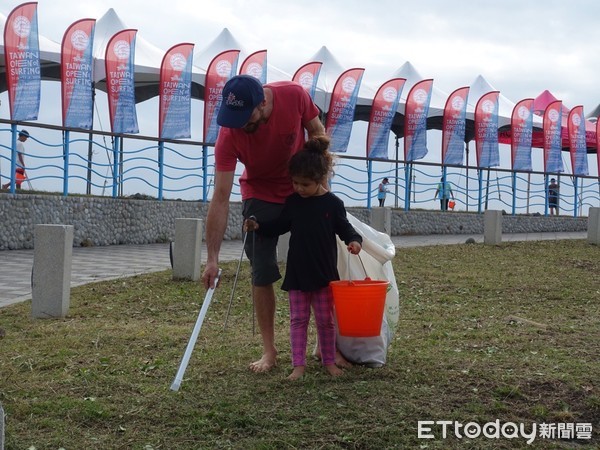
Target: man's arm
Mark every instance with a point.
(216, 223)
(315, 127)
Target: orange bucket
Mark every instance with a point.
(359, 306)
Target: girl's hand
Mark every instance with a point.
(354, 247)
(250, 225)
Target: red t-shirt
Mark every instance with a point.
(266, 152)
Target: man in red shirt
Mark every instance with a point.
(261, 127)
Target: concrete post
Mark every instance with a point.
(492, 227)
(381, 219)
(187, 251)
(51, 280)
(593, 231)
(283, 245)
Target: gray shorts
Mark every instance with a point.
(265, 270)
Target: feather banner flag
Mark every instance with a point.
(577, 141)
(486, 130)
(454, 125)
(415, 120)
(22, 62)
(598, 146)
(340, 116)
(553, 137)
(221, 68)
(521, 135)
(76, 75)
(383, 110)
(175, 93)
(120, 56)
(255, 65)
(307, 76)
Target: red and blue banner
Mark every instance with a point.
(415, 120)
(307, 76)
(221, 68)
(340, 116)
(76, 75)
(255, 65)
(521, 135)
(22, 62)
(577, 141)
(486, 130)
(175, 95)
(119, 60)
(598, 146)
(552, 137)
(383, 110)
(453, 127)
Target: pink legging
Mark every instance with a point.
(322, 303)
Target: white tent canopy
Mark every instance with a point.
(412, 76)
(330, 72)
(148, 58)
(226, 41)
(49, 57)
(480, 87)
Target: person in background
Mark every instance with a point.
(553, 194)
(313, 216)
(261, 127)
(381, 191)
(444, 191)
(20, 170)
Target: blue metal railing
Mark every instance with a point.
(67, 161)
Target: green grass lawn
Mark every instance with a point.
(486, 333)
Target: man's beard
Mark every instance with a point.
(250, 127)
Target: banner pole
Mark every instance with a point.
(575, 192)
(115, 174)
(161, 164)
(13, 158)
(205, 173)
(369, 181)
(66, 137)
(480, 194)
(397, 173)
(514, 193)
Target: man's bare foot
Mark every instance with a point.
(342, 362)
(296, 373)
(334, 370)
(264, 364)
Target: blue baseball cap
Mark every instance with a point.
(241, 95)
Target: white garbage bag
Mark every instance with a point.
(377, 253)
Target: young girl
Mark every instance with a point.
(314, 216)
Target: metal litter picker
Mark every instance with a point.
(194, 337)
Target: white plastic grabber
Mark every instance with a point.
(192, 342)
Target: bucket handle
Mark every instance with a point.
(361, 263)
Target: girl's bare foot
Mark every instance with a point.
(296, 373)
(334, 370)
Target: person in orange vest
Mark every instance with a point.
(20, 171)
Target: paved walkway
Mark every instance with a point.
(92, 264)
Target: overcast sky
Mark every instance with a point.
(521, 47)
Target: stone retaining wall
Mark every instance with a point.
(108, 221)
